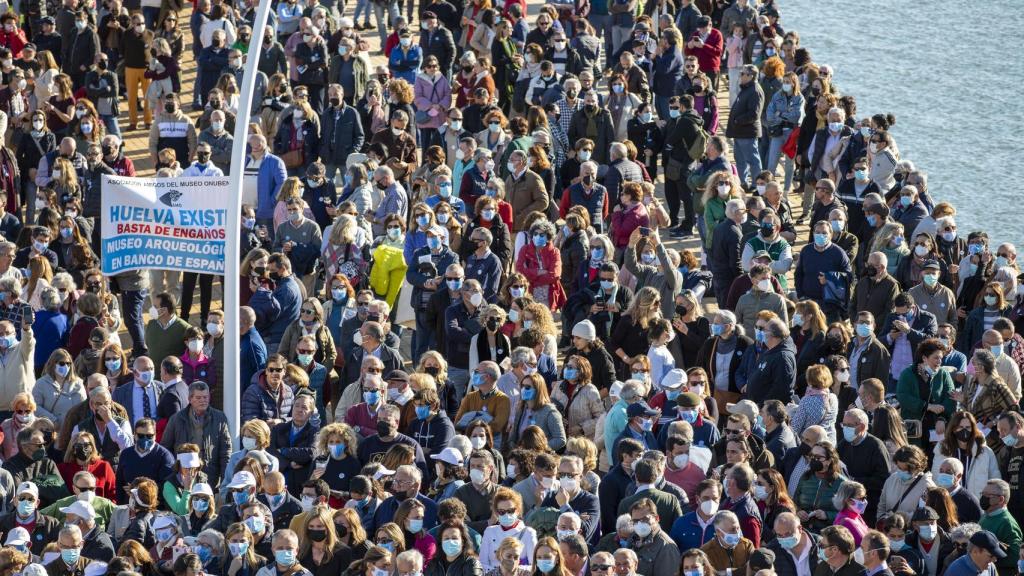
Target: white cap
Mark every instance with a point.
(449, 456)
(81, 509)
(189, 460)
(242, 479)
(37, 569)
(164, 521)
(202, 488)
(674, 379)
(382, 473)
(346, 22)
(616, 388)
(744, 407)
(96, 568)
(29, 488)
(18, 536)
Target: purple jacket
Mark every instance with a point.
(428, 93)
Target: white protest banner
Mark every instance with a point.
(165, 224)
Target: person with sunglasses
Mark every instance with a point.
(267, 397)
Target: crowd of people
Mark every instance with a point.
(471, 340)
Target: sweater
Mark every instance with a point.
(16, 368)
(163, 341)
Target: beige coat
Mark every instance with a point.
(526, 194)
(584, 410)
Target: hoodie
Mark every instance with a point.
(174, 130)
(775, 374)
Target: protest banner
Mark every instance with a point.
(164, 224)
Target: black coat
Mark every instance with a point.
(212, 62)
(98, 546)
(605, 133)
(501, 242)
(745, 114)
(46, 530)
(463, 566)
(724, 255)
(342, 134)
(440, 44)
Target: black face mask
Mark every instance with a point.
(102, 64)
(385, 429)
(816, 465)
(432, 370)
(317, 535)
(871, 271)
(216, 104)
(681, 311)
(275, 276)
(259, 270)
(588, 180)
(83, 452)
(964, 435)
(591, 108)
(492, 324)
(109, 150)
(805, 449)
(170, 107)
(203, 157)
(341, 530)
(985, 501)
(336, 102)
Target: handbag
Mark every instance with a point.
(789, 148)
(674, 169)
(293, 158)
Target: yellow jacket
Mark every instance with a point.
(388, 272)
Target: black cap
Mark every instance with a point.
(762, 559)
(924, 514)
(640, 409)
(399, 375)
(429, 15)
(931, 264)
(987, 541)
(47, 20)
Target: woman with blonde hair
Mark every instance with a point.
(535, 408)
(292, 188)
(350, 532)
(509, 559)
(336, 443)
(490, 343)
(435, 364)
(538, 316)
(586, 450)
(389, 536)
(86, 128)
(319, 549)
(255, 436)
(239, 555)
(40, 274)
(64, 180)
(889, 240)
(691, 327)
(422, 219)
(720, 188)
(809, 331)
(59, 388)
(507, 508)
(342, 252)
(23, 408)
(629, 336)
(819, 406)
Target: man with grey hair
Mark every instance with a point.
(620, 171)
(409, 562)
(270, 173)
(745, 125)
(523, 361)
(798, 459)
(876, 290)
(568, 525)
(371, 342)
(405, 484)
(998, 520)
(570, 495)
(726, 248)
(819, 261)
(794, 547)
(199, 421)
(588, 193)
(950, 476)
(462, 322)
(866, 457)
(524, 189)
(395, 200)
(774, 376)
(485, 400)
(8, 251)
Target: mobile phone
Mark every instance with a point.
(28, 313)
(913, 428)
(645, 231)
(321, 462)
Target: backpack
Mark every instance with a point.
(699, 144)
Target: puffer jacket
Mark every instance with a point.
(582, 410)
(388, 272)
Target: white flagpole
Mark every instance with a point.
(232, 336)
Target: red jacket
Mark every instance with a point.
(123, 166)
(106, 483)
(543, 271)
(709, 56)
(627, 220)
(15, 41)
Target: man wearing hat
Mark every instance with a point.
(98, 545)
(929, 539)
(42, 529)
(665, 400)
(998, 521)
(640, 419)
(400, 394)
(704, 432)
(19, 539)
(45, 37)
(983, 551)
(241, 490)
(762, 559)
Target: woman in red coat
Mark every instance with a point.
(541, 263)
(81, 455)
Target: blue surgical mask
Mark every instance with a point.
(339, 294)
(284, 557)
(647, 425)
(452, 547)
(903, 475)
(415, 525)
(717, 329)
(863, 330)
(674, 113)
(820, 239)
(337, 450)
(570, 373)
(70, 555)
(478, 379)
(204, 553)
(422, 221)
(540, 240)
(946, 481)
(607, 285)
(433, 242)
(113, 365)
(26, 508)
(731, 540)
(422, 412)
(545, 565)
(255, 524)
(849, 433)
(372, 397)
(529, 394)
(906, 201)
(201, 505)
(788, 542)
(872, 220)
(646, 117)
(688, 415)
(671, 395)
(238, 548)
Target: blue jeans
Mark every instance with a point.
(110, 122)
(602, 24)
(131, 310)
(382, 26)
(661, 107)
(423, 337)
(775, 155)
(150, 14)
(747, 158)
(362, 7)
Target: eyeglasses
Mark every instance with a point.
(22, 411)
(600, 567)
(308, 311)
(506, 511)
(275, 370)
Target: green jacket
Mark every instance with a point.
(104, 509)
(912, 406)
(813, 493)
(1007, 531)
(667, 505)
(714, 212)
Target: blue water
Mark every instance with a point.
(951, 73)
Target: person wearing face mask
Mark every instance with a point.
(760, 297)
(594, 123)
(728, 549)
(173, 129)
(217, 137)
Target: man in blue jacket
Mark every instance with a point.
(276, 310)
(270, 175)
(253, 351)
(775, 375)
(641, 418)
(462, 322)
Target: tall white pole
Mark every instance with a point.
(232, 369)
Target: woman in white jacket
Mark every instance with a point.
(907, 484)
(966, 443)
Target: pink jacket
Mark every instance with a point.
(427, 93)
(734, 51)
(625, 221)
(854, 523)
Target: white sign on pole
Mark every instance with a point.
(164, 224)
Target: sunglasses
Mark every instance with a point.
(275, 370)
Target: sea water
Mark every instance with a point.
(952, 74)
